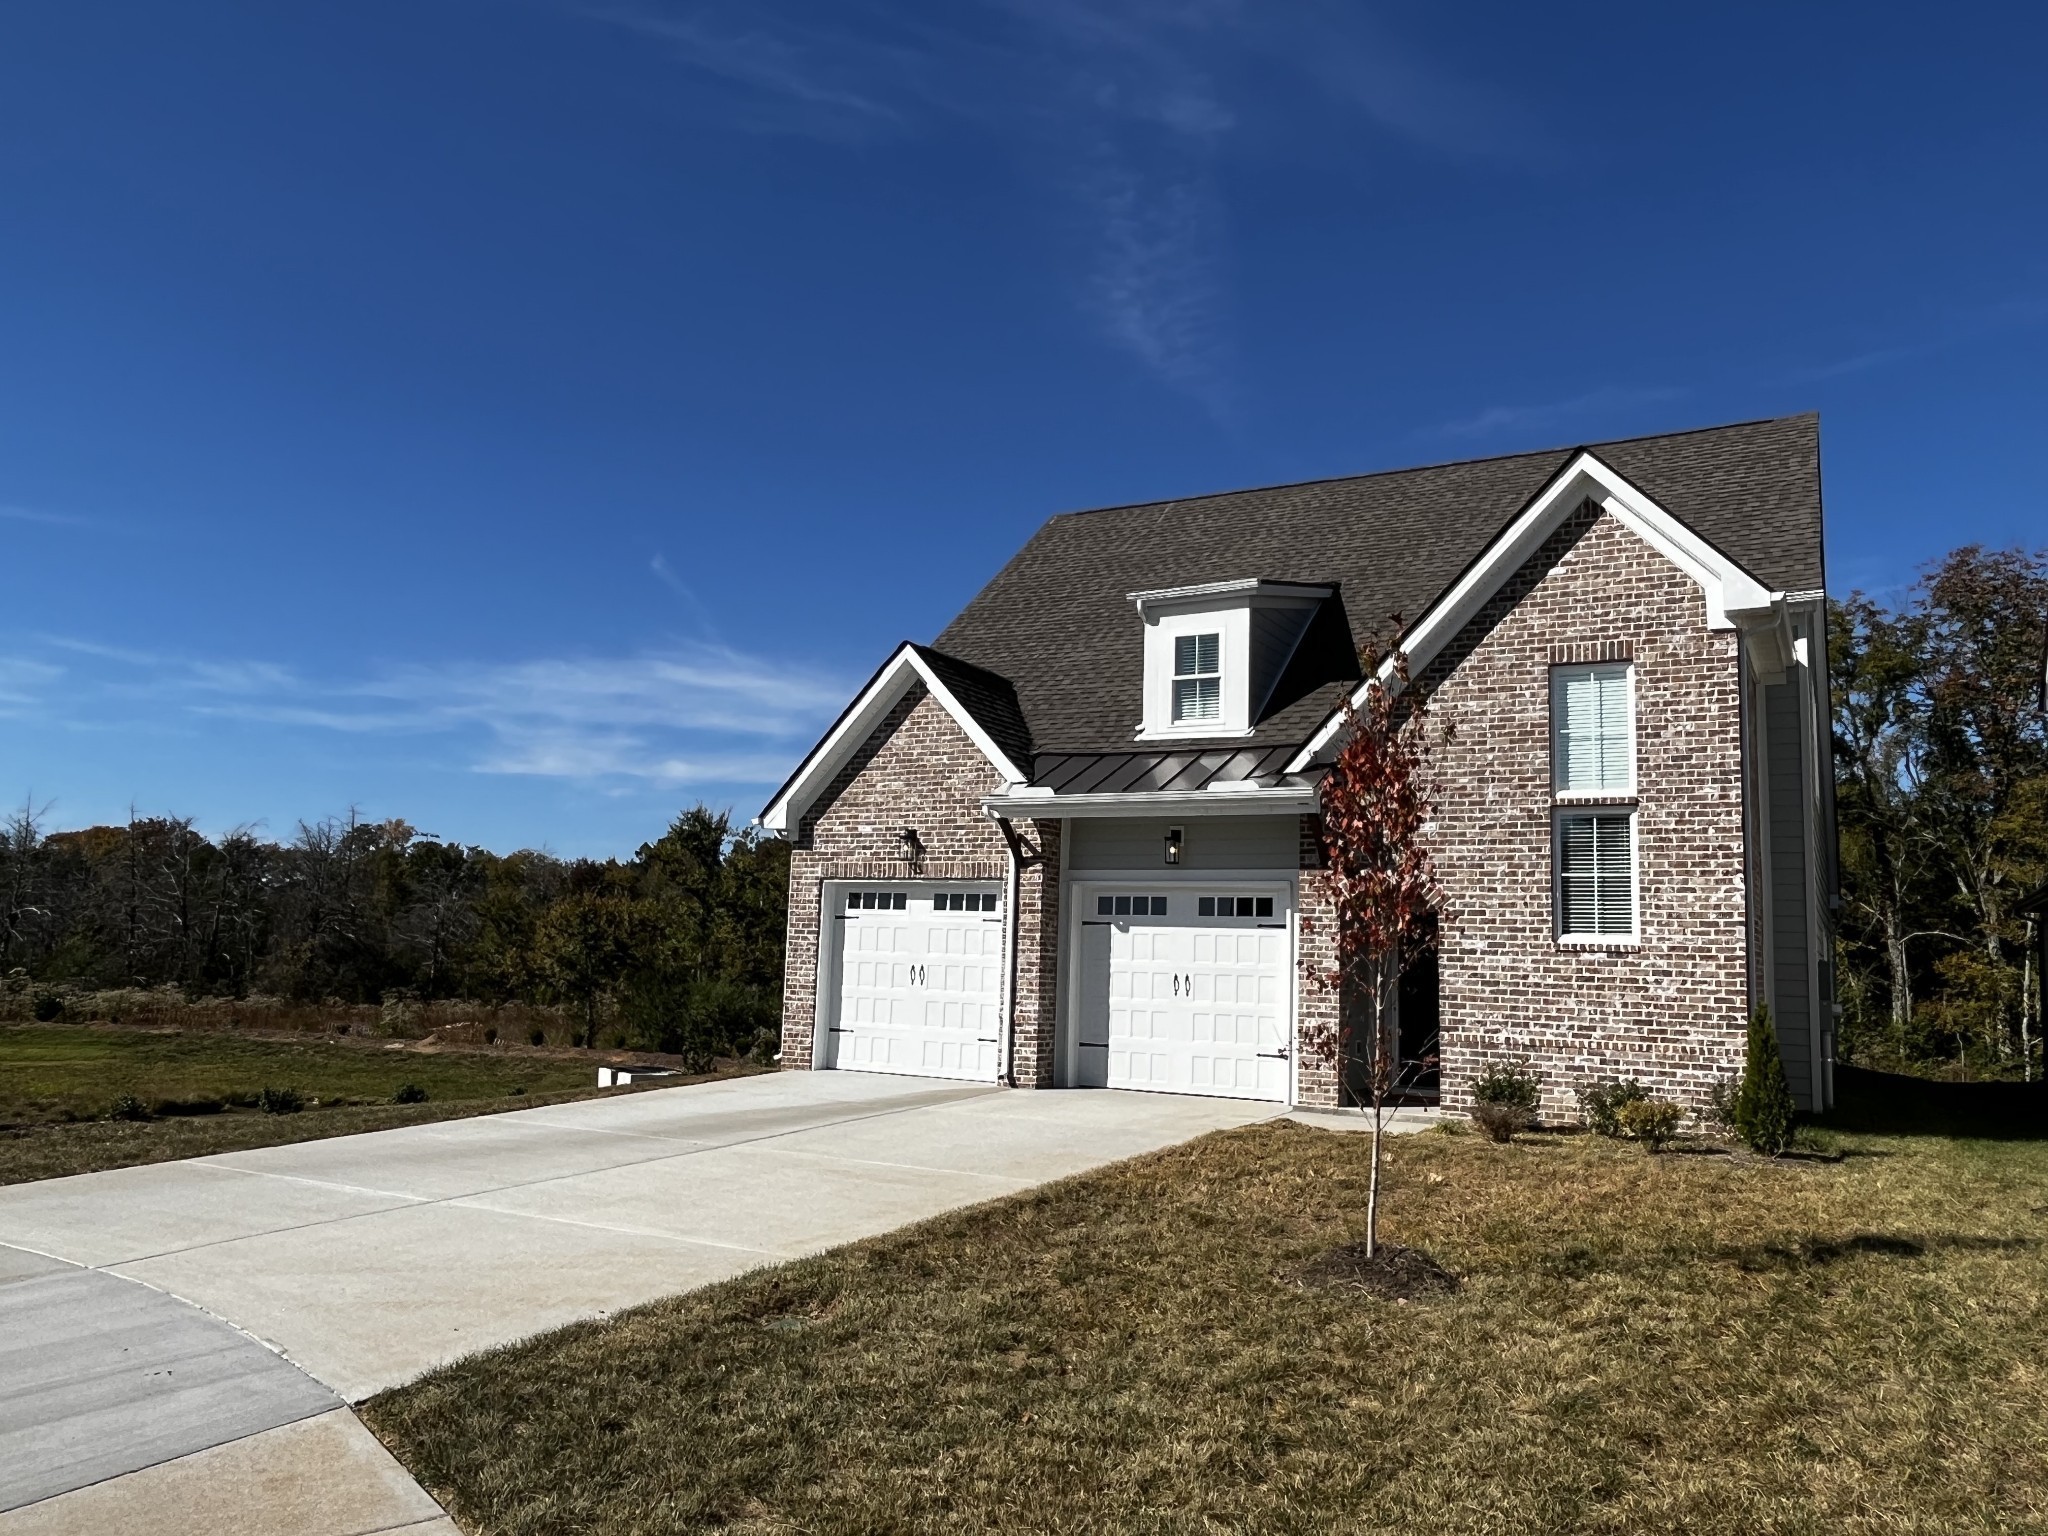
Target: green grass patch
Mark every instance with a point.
(190, 1094)
(1688, 1342)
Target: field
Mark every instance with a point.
(1698, 1341)
(200, 1092)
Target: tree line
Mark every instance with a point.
(678, 948)
(1941, 774)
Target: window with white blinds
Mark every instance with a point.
(1592, 729)
(1596, 875)
(1197, 677)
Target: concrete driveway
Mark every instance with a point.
(365, 1260)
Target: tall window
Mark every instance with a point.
(1593, 730)
(1593, 757)
(1596, 875)
(1197, 677)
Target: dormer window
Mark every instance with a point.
(1214, 652)
(1197, 678)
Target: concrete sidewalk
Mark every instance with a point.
(366, 1260)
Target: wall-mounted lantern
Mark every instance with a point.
(913, 847)
(1175, 837)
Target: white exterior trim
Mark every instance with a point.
(1729, 590)
(859, 722)
(1176, 802)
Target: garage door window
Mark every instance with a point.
(1130, 906)
(964, 901)
(1234, 906)
(877, 901)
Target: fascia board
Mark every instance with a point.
(859, 721)
(1725, 584)
(1178, 802)
(1255, 591)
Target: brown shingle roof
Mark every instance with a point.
(1056, 623)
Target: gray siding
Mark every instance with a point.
(1211, 842)
(1792, 1001)
(1275, 634)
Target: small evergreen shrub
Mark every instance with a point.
(280, 1101)
(1515, 1087)
(1600, 1104)
(537, 1036)
(409, 1093)
(48, 1006)
(1653, 1122)
(1764, 1111)
(128, 1107)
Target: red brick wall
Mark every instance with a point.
(918, 769)
(1670, 1010)
(1316, 1040)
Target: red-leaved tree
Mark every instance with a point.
(1381, 879)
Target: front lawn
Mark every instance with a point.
(1690, 1342)
(200, 1092)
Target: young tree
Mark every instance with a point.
(583, 945)
(1764, 1110)
(1381, 879)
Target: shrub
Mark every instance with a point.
(1516, 1087)
(491, 1035)
(280, 1101)
(48, 1006)
(537, 1036)
(1764, 1111)
(1720, 1110)
(409, 1093)
(1653, 1122)
(1501, 1121)
(767, 1041)
(128, 1107)
(1600, 1104)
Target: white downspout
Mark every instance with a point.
(1006, 1039)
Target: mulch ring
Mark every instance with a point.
(1394, 1273)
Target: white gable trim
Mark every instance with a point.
(867, 711)
(1729, 590)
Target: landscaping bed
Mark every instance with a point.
(1671, 1343)
(79, 1098)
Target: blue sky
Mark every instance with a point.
(530, 418)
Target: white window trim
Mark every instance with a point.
(1566, 939)
(1231, 625)
(1175, 717)
(1591, 796)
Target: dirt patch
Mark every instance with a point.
(1393, 1273)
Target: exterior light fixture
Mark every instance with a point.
(913, 847)
(1175, 837)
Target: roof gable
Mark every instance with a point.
(1056, 621)
(982, 705)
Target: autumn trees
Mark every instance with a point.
(1941, 755)
(678, 948)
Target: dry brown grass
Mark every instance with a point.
(1678, 1343)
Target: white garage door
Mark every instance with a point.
(920, 981)
(1184, 992)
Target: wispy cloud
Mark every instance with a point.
(15, 514)
(1958, 329)
(1556, 414)
(1125, 107)
(696, 714)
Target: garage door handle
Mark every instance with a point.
(1274, 1055)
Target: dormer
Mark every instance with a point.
(1214, 652)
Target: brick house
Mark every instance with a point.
(1075, 841)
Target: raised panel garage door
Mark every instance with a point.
(920, 982)
(1186, 993)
